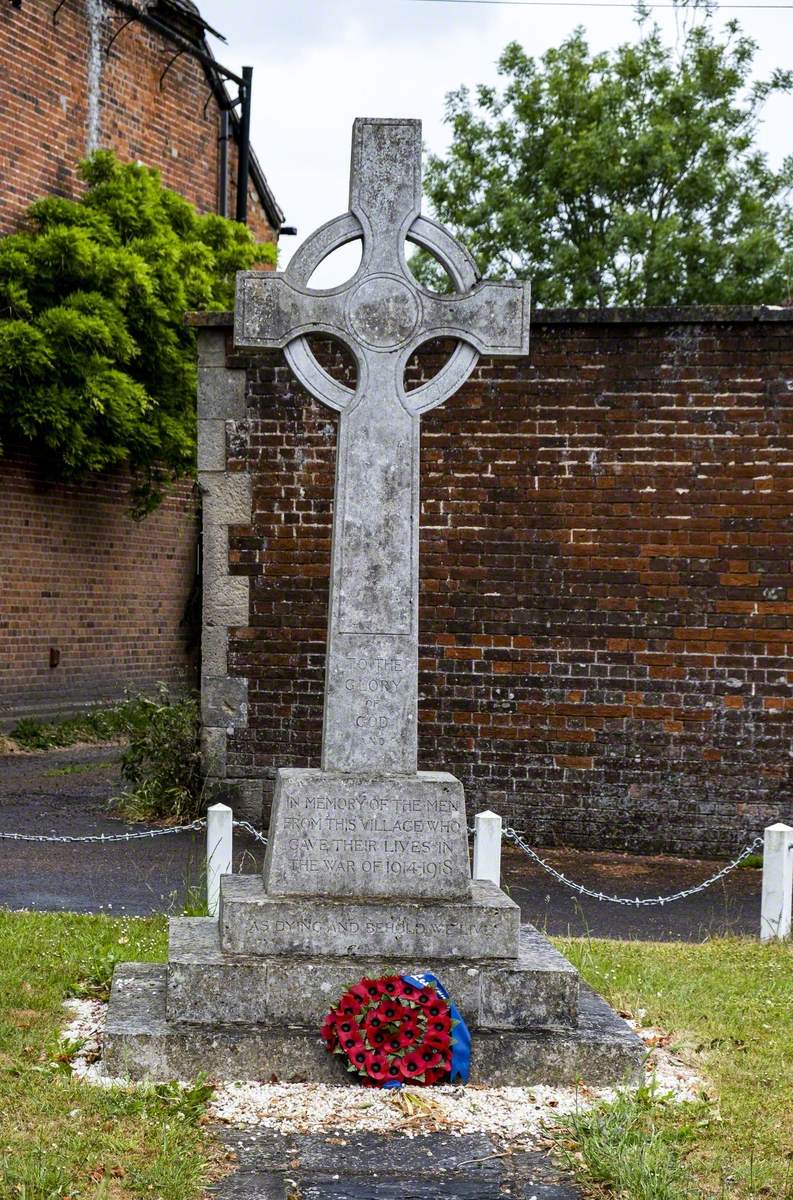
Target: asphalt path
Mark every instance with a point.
(70, 792)
(372, 1166)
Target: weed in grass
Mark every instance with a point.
(35, 1175)
(82, 768)
(97, 973)
(195, 901)
(634, 1146)
(181, 1102)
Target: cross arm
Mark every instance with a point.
(492, 317)
(272, 311)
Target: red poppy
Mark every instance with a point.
(328, 1031)
(360, 992)
(442, 1023)
(349, 1005)
(391, 985)
(430, 1057)
(376, 1066)
(411, 1066)
(389, 1010)
(438, 1039)
(436, 1075)
(408, 1036)
(358, 1057)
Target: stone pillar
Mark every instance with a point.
(226, 498)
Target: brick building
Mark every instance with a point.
(90, 601)
(139, 79)
(605, 589)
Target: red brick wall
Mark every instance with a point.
(606, 589)
(79, 576)
(46, 114)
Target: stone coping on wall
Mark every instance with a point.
(703, 314)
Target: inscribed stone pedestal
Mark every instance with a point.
(368, 835)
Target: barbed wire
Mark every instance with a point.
(511, 835)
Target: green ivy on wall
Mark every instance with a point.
(97, 368)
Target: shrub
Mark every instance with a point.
(163, 760)
(97, 368)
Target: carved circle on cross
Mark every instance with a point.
(386, 320)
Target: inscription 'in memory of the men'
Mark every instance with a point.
(347, 836)
(364, 835)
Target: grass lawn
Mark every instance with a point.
(60, 1138)
(728, 1003)
(729, 1006)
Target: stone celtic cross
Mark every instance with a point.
(383, 316)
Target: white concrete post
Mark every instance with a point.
(777, 882)
(219, 848)
(487, 847)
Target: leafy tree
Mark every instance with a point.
(97, 368)
(629, 177)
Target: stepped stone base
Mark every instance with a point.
(538, 988)
(483, 926)
(141, 1043)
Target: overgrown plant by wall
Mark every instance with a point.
(97, 369)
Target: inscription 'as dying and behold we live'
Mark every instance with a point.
(372, 835)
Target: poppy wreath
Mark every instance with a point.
(398, 1029)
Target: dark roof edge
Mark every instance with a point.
(714, 314)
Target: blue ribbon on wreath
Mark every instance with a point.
(461, 1037)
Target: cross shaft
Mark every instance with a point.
(383, 315)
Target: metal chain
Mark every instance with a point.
(512, 836)
(246, 825)
(193, 827)
(509, 834)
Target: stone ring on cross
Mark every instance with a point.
(383, 315)
(382, 312)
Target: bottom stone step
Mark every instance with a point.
(539, 988)
(140, 1043)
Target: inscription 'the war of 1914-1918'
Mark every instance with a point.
(353, 836)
